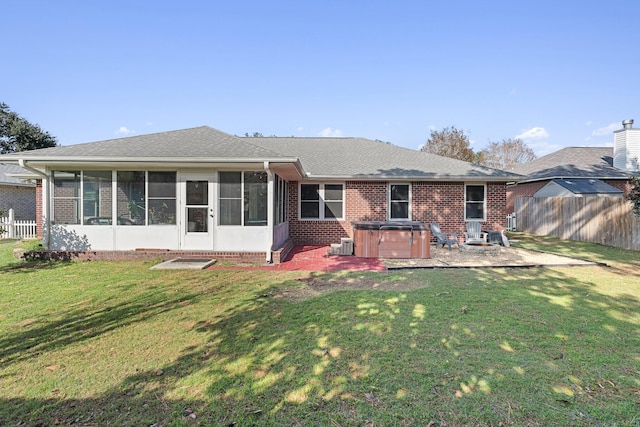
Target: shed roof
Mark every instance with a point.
(587, 186)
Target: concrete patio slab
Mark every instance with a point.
(184, 264)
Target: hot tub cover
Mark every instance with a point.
(389, 225)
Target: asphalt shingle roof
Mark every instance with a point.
(5, 175)
(359, 157)
(338, 158)
(200, 142)
(573, 162)
(587, 186)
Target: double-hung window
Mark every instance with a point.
(475, 202)
(400, 202)
(321, 201)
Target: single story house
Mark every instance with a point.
(17, 193)
(202, 191)
(609, 165)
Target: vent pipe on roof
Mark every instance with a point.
(627, 124)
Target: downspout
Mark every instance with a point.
(45, 201)
(269, 242)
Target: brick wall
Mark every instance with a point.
(623, 185)
(527, 189)
(496, 207)
(312, 232)
(21, 199)
(443, 202)
(367, 201)
(244, 257)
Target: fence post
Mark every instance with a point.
(12, 224)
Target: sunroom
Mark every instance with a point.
(239, 210)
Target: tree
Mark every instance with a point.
(449, 142)
(506, 154)
(17, 134)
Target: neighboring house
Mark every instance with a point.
(17, 193)
(605, 167)
(204, 190)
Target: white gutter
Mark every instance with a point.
(270, 219)
(403, 178)
(45, 201)
(163, 159)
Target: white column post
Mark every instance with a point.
(12, 224)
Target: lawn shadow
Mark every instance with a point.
(29, 266)
(355, 355)
(79, 324)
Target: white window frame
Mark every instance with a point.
(484, 201)
(280, 200)
(409, 210)
(321, 201)
(242, 198)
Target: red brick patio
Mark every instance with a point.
(314, 258)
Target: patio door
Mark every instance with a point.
(198, 211)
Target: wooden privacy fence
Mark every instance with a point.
(12, 229)
(605, 220)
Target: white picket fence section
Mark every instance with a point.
(12, 229)
(511, 222)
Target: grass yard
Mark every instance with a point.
(114, 343)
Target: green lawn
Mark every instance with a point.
(114, 343)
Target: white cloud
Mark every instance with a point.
(588, 123)
(123, 130)
(536, 138)
(607, 130)
(300, 128)
(542, 148)
(535, 133)
(330, 132)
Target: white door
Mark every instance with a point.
(198, 211)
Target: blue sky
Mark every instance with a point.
(555, 73)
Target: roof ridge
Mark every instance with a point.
(304, 137)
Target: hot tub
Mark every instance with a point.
(391, 239)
